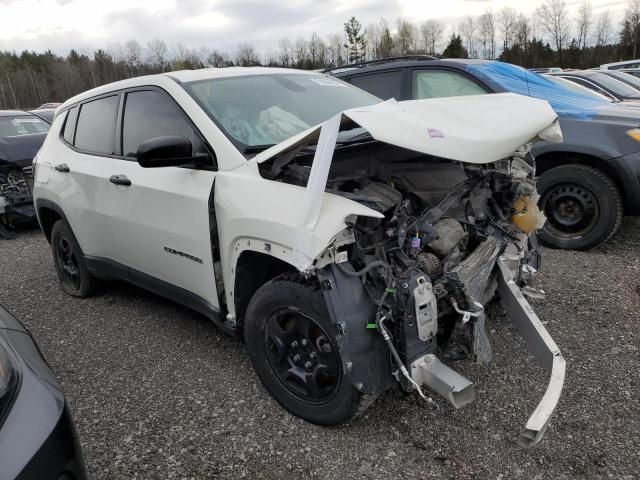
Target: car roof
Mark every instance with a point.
(393, 63)
(13, 113)
(182, 76)
(580, 73)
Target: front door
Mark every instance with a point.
(159, 217)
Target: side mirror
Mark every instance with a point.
(170, 151)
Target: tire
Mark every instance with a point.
(68, 259)
(583, 207)
(282, 314)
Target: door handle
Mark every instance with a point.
(120, 180)
(62, 168)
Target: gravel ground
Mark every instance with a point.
(158, 392)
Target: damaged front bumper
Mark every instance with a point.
(538, 341)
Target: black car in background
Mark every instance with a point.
(585, 183)
(37, 436)
(21, 136)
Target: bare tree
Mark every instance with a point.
(157, 50)
(584, 20)
(300, 52)
(284, 52)
(133, 56)
(336, 49)
(317, 51)
(468, 29)
(431, 31)
(632, 15)
(218, 59)
(246, 55)
(508, 19)
(487, 25)
(603, 29)
(405, 37)
(373, 34)
(554, 20)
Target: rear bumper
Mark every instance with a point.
(538, 341)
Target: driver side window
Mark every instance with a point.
(149, 114)
(441, 83)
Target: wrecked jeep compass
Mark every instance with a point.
(355, 244)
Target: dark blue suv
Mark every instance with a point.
(585, 183)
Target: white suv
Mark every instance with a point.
(354, 243)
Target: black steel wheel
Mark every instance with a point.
(301, 355)
(72, 271)
(582, 205)
(292, 347)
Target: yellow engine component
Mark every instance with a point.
(527, 215)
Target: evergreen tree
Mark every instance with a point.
(455, 49)
(356, 42)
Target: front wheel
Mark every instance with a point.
(583, 207)
(292, 347)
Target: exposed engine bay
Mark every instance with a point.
(429, 266)
(16, 202)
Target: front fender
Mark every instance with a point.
(262, 215)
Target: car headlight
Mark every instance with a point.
(9, 379)
(634, 133)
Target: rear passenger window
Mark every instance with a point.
(384, 85)
(96, 128)
(70, 125)
(149, 114)
(439, 84)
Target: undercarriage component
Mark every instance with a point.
(538, 341)
(430, 371)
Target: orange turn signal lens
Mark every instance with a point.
(634, 133)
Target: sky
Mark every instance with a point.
(86, 25)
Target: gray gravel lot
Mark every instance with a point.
(158, 392)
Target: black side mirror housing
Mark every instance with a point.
(169, 151)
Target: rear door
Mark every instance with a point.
(443, 82)
(385, 85)
(78, 167)
(159, 217)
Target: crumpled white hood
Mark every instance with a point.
(472, 129)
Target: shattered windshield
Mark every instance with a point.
(263, 110)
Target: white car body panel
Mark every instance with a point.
(255, 214)
(164, 208)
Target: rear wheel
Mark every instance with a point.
(582, 205)
(71, 268)
(292, 347)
